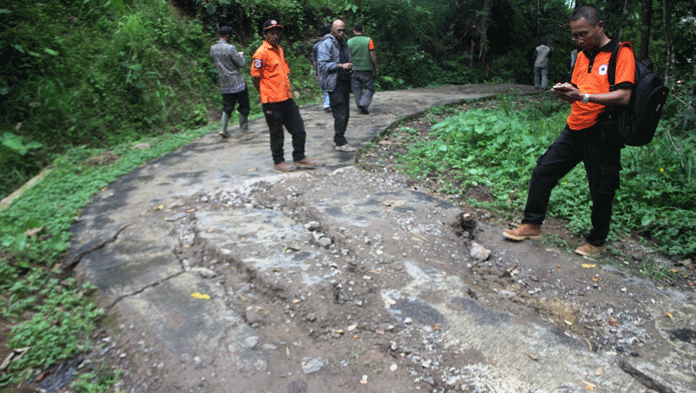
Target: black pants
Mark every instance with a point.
(601, 155)
(229, 100)
(286, 113)
(340, 101)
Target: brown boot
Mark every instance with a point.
(524, 231)
(590, 251)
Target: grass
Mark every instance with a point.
(49, 312)
(496, 146)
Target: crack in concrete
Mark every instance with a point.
(69, 265)
(643, 378)
(141, 290)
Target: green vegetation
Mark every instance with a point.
(92, 77)
(52, 316)
(497, 147)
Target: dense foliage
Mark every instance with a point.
(497, 147)
(81, 77)
(101, 72)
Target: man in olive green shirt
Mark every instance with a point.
(362, 51)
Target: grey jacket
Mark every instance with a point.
(328, 58)
(228, 63)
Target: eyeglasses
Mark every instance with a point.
(581, 35)
(341, 30)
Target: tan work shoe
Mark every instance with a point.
(283, 167)
(524, 231)
(590, 251)
(308, 163)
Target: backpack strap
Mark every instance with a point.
(611, 72)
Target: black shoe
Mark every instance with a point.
(327, 110)
(363, 110)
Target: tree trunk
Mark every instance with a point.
(623, 20)
(668, 39)
(645, 29)
(484, 29)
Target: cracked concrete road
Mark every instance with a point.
(220, 275)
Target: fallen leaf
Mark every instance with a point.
(391, 301)
(352, 327)
(33, 232)
(197, 295)
(589, 265)
(589, 386)
(595, 279)
(160, 207)
(295, 301)
(669, 314)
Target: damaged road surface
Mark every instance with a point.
(221, 276)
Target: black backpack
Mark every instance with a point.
(638, 120)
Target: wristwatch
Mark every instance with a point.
(585, 98)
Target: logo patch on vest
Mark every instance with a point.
(258, 64)
(603, 69)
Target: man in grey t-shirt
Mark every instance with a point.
(541, 65)
(232, 84)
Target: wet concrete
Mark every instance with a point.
(138, 256)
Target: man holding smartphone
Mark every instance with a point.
(589, 136)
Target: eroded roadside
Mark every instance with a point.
(347, 280)
(356, 281)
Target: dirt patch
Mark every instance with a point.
(632, 251)
(349, 281)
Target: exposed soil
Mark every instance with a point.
(629, 251)
(338, 336)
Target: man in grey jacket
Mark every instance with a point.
(232, 84)
(335, 68)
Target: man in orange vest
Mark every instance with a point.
(269, 73)
(589, 137)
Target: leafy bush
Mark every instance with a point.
(56, 317)
(497, 147)
(19, 160)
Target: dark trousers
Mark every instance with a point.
(229, 100)
(340, 101)
(602, 158)
(286, 113)
(363, 88)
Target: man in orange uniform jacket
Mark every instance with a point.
(269, 72)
